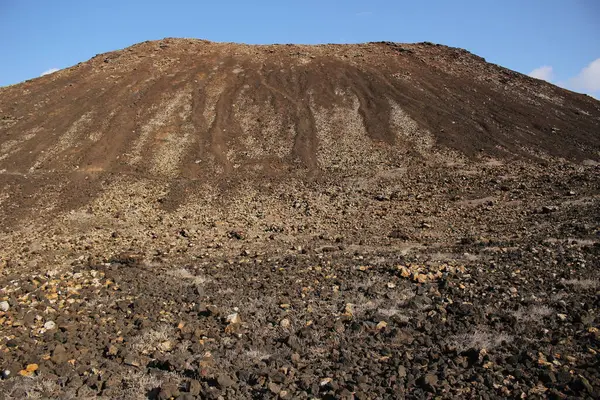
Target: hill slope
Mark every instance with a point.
(195, 111)
(209, 98)
(339, 221)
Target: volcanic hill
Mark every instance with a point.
(381, 220)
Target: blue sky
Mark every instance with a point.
(556, 40)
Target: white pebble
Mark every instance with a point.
(50, 325)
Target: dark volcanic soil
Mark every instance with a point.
(184, 219)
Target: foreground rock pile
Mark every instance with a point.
(515, 320)
(486, 290)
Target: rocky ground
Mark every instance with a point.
(486, 289)
(185, 219)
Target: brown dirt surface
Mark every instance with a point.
(186, 219)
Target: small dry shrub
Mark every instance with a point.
(136, 385)
(185, 274)
(36, 387)
(533, 313)
(583, 283)
(150, 339)
(479, 339)
(257, 355)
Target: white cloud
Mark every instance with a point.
(588, 79)
(545, 73)
(51, 70)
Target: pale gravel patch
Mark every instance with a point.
(8, 123)
(167, 159)
(11, 146)
(558, 100)
(343, 140)
(408, 129)
(264, 138)
(4, 195)
(212, 92)
(97, 135)
(162, 116)
(65, 141)
(422, 140)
